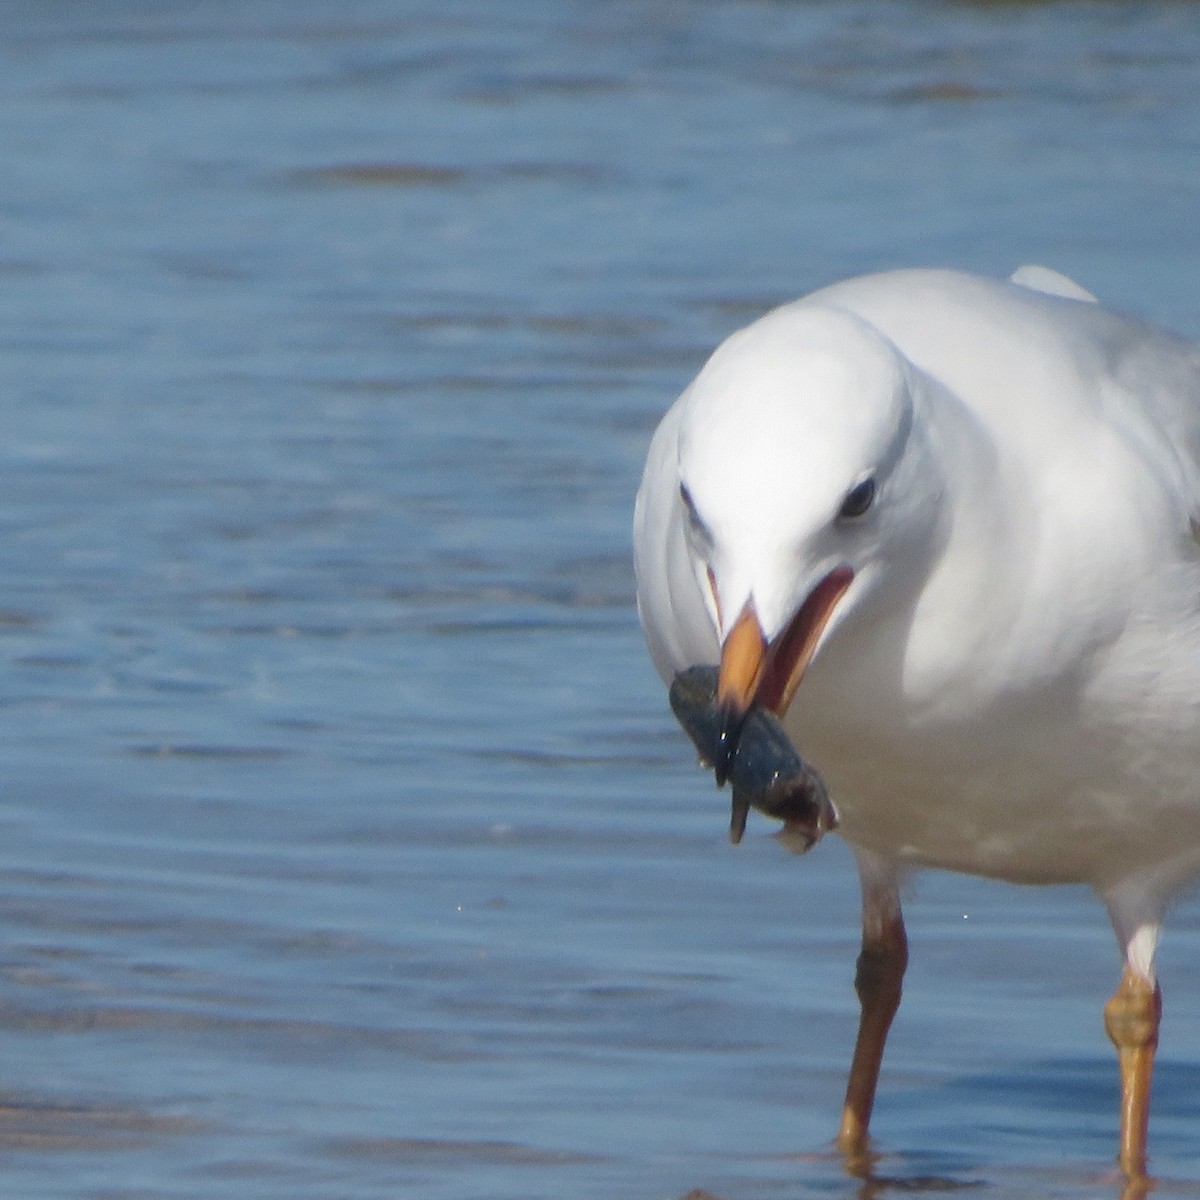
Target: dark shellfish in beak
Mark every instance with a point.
(765, 771)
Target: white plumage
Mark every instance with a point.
(1010, 684)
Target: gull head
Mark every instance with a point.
(808, 493)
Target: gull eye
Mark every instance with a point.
(697, 525)
(858, 499)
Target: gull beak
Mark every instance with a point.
(755, 671)
(743, 663)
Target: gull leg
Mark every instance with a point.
(878, 982)
(1131, 1018)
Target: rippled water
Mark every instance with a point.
(348, 848)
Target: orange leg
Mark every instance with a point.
(878, 981)
(1131, 1018)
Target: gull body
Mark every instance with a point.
(955, 521)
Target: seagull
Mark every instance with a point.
(947, 528)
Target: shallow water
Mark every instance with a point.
(349, 848)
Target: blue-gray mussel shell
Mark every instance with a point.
(766, 772)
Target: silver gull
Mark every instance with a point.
(956, 520)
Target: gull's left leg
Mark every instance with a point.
(1131, 1019)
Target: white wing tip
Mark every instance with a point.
(1050, 282)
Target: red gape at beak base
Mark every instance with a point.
(752, 671)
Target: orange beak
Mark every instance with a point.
(755, 672)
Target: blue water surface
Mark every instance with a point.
(348, 849)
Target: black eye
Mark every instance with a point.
(688, 502)
(858, 499)
(693, 516)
